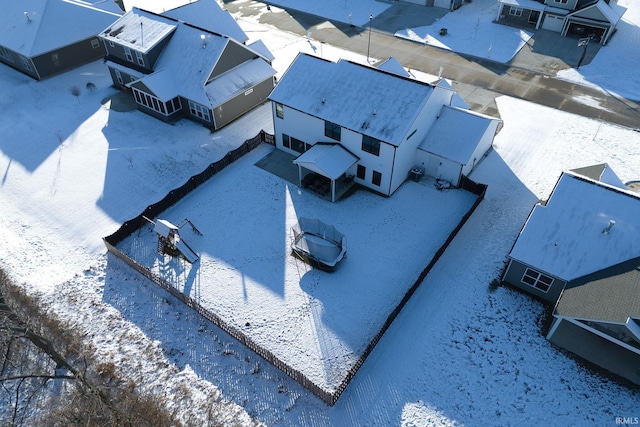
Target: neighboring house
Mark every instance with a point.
(44, 37)
(598, 318)
(379, 123)
(590, 223)
(176, 69)
(580, 17)
(579, 251)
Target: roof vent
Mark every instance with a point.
(204, 42)
(323, 100)
(26, 15)
(607, 229)
(374, 112)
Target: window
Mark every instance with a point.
(361, 172)
(140, 58)
(198, 110)
(95, 43)
(279, 110)
(150, 102)
(515, 11)
(5, 54)
(537, 280)
(332, 130)
(297, 145)
(286, 142)
(26, 63)
(377, 178)
(118, 76)
(371, 145)
(127, 53)
(173, 105)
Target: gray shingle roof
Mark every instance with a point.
(611, 294)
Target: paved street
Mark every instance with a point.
(530, 75)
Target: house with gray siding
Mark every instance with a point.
(597, 317)
(175, 69)
(580, 18)
(42, 38)
(379, 122)
(589, 223)
(579, 252)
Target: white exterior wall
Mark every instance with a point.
(406, 156)
(439, 167)
(311, 130)
(481, 149)
(446, 4)
(382, 163)
(298, 125)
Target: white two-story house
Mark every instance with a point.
(348, 121)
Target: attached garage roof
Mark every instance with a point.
(330, 160)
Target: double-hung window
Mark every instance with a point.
(332, 130)
(200, 111)
(371, 145)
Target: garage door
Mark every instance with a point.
(553, 22)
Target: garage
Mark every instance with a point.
(553, 22)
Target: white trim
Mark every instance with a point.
(601, 335)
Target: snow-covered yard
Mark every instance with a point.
(317, 322)
(461, 352)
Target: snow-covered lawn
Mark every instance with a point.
(73, 169)
(318, 323)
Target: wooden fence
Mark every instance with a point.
(175, 195)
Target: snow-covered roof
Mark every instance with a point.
(566, 238)
(611, 12)
(392, 65)
(456, 100)
(209, 15)
(330, 160)
(238, 80)
(261, 49)
(456, 133)
(155, 6)
(139, 30)
(185, 64)
(364, 99)
(34, 27)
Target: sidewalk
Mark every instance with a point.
(529, 76)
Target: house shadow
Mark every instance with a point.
(188, 340)
(54, 109)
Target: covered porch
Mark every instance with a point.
(327, 170)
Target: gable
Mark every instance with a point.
(232, 55)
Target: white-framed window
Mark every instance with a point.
(26, 63)
(118, 76)
(151, 102)
(127, 54)
(4, 53)
(140, 58)
(95, 43)
(198, 110)
(279, 110)
(515, 11)
(537, 280)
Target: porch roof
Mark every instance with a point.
(330, 160)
